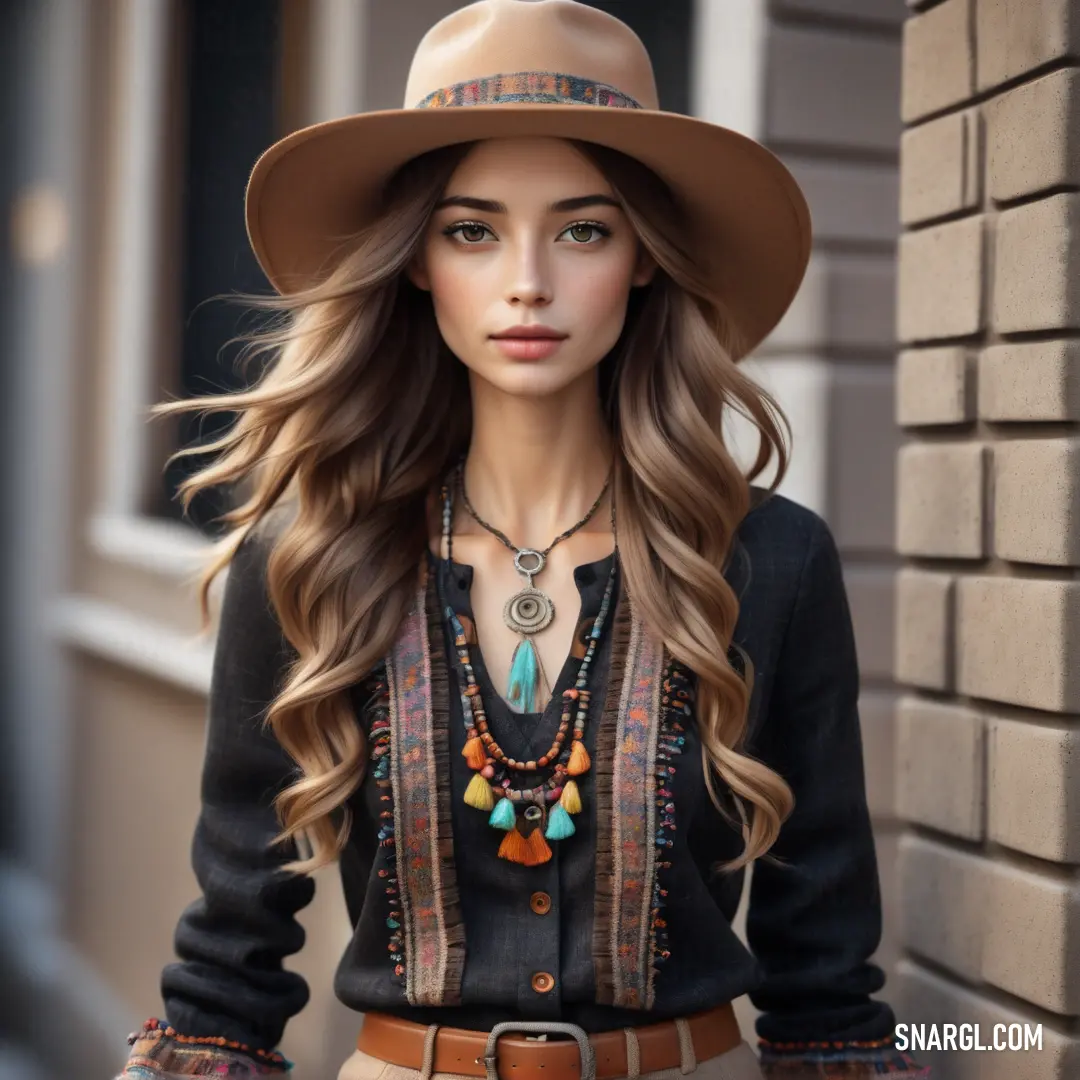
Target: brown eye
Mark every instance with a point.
(585, 232)
(469, 232)
(473, 233)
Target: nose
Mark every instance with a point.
(529, 280)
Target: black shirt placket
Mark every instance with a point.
(538, 960)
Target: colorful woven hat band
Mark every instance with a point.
(529, 87)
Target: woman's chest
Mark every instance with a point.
(629, 703)
(632, 806)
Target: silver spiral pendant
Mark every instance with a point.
(528, 611)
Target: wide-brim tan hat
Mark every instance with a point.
(556, 68)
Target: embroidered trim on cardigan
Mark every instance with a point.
(675, 707)
(434, 931)
(603, 765)
(626, 816)
(377, 715)
(529, 87)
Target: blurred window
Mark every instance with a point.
(233, 68)
(666, 27)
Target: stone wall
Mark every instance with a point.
(988, 602)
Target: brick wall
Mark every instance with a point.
(987, 634)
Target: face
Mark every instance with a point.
(529, 261)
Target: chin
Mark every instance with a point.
(533, 379)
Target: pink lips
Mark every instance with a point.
(528, 342)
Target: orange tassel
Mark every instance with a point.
(579, 759)
(539, 851)
(475, 753)
(514, 847)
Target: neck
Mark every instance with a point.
(536, 465)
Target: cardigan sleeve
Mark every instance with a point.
(814, 922)
(227, 997)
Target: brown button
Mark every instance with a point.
(542, 982)
(540, 903)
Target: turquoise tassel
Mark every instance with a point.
(503, 816)
(560, 825)
(524, 675)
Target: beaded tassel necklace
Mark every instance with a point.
(549, 805)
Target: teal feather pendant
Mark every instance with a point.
(503, 816)
(524, 676)
(560, 825)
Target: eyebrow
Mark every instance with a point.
(490, 206)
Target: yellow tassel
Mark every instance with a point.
(570, 800)
(579, 759)
(475, 753)
(514, 847)
(538, 849)
(478, 793)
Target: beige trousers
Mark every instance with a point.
(739, 1063)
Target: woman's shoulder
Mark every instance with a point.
(784, 556)
(246, 600)
(779, 528)
(248, 564)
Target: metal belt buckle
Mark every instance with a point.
(523, 1027)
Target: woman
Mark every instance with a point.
(514, 311)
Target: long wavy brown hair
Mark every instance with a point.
(327, 441)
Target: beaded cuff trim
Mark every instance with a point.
(862, 1044)
(158, 1048)
(529, 87)
(845, 1060)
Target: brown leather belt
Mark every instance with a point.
(458, 1050)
